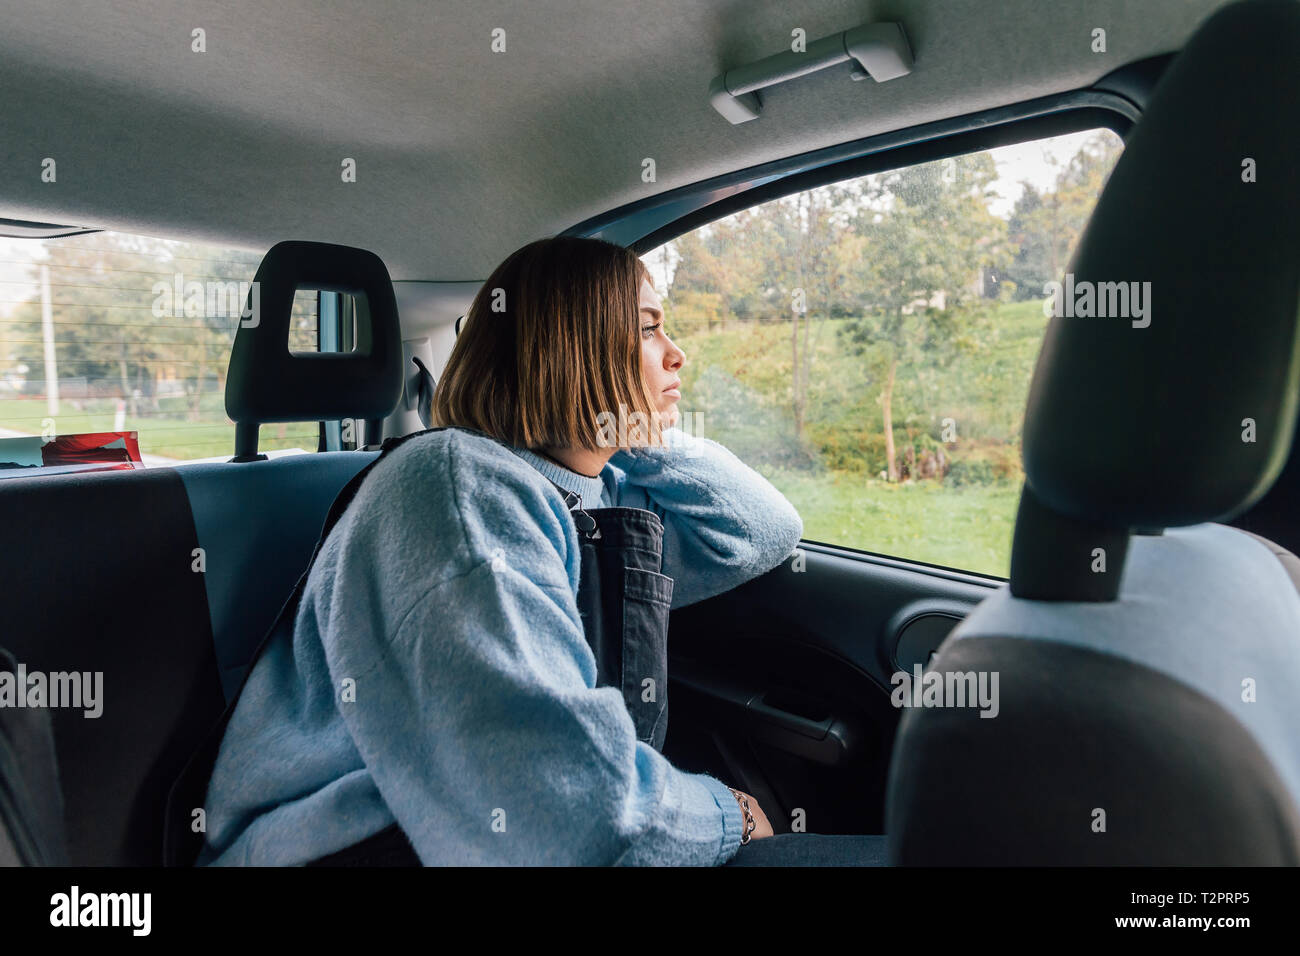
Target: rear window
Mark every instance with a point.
(114, 351)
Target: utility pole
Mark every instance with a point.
(47, 333)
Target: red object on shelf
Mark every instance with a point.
(118, 449)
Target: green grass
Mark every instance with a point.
(967, 528)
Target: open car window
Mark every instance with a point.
(868, 345)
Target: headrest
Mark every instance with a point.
(1182, 409)
(268, 383)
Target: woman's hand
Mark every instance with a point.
(762, 828)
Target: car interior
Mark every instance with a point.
(1141, 607)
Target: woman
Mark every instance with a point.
(476, 671)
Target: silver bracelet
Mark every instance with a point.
(750, 825)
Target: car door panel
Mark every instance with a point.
(781, 687)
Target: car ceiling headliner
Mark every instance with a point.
(463, 154)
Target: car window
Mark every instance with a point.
(114, 350)
(868, 345)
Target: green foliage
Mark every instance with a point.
(1045, 228)
(694, 311)
(965, 473)
(858, 451)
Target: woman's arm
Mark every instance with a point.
(479, 726)
(724, 523)
(476, 713)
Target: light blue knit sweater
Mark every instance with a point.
(438, 673)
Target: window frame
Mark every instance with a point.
(648, 223)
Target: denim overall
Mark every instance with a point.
(623, 599)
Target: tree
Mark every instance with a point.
(1048, 227)
(103, 302)
(807, 274)
(1035, 258)
(928, 232)
(715, 266)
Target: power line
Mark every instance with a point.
(104, 285)
(96, 305)
(122, 325)
(54, 266)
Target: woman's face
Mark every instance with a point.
(661, 360)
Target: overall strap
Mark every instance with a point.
(584, 522)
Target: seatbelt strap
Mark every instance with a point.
(424, 400)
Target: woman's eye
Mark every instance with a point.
(648, 331)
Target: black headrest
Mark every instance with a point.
(268, 383)
(1132, 424)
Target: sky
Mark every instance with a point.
(15, 254)
(1038, 162)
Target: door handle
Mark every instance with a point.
(808, 726)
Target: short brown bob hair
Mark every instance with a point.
(552, 341)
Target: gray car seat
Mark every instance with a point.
(1148, 659)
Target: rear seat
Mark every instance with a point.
(101, 571)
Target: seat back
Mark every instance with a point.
(1161, 728)
(109, 583)
(257, 523)
(1146, 710)
(102, 563)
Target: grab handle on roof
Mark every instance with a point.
(880, 51)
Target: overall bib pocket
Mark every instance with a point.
(647, 597)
